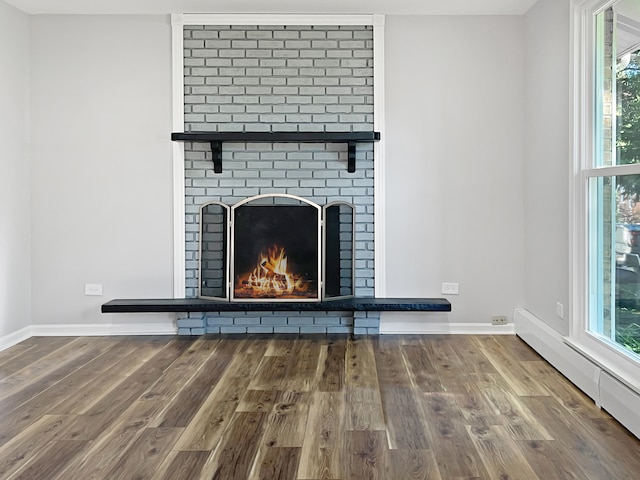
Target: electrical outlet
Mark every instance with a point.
(498, 319)
(559, 310)
(450, 288)
(93, 289)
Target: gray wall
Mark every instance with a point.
(455, 163)
(102, 194)
(548, 162)
(102, 188)
(15, 181)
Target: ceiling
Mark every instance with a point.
(398, 7)
(627, 35)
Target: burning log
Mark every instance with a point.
(271, 278)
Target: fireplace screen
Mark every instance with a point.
(214, 240)
(276, 247)
(338, 245)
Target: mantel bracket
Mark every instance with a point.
(216, 153)
(351, 158)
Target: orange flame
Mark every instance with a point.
(271, 278)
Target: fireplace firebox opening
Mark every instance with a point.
(276, 247)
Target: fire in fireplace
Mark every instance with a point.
(276, 247)
(276, 252)
(271, 278)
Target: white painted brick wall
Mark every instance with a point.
(277, 78)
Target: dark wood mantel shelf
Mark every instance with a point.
(180, 305)
(215, 139)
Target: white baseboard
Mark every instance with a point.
(15, 337)
(105, 329)
(91, 330)
(436, 323)
(551, 345)
(608, 392)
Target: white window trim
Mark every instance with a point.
(610, 358)
(178, 21)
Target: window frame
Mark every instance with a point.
(623, 365)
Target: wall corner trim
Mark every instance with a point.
(276, 19)
(177, 19)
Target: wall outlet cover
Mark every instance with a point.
(450, 288)
(93, 289)
(499, 320)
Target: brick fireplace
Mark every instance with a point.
(280, 105)
(279, 78)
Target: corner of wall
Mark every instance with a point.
(15, 175)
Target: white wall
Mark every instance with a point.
(101, 164)
(454, 162)
(547, 162)
(15, 183)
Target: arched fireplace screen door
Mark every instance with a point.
(274, 248)
(275, 241)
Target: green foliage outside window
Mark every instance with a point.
(628, 121)
(628, 152)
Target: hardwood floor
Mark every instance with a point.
(315, 407)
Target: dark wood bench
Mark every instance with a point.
(179, 305)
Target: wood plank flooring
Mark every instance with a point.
(299, 407)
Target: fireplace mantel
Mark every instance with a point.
(216, 139)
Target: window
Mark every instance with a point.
(611, 167)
